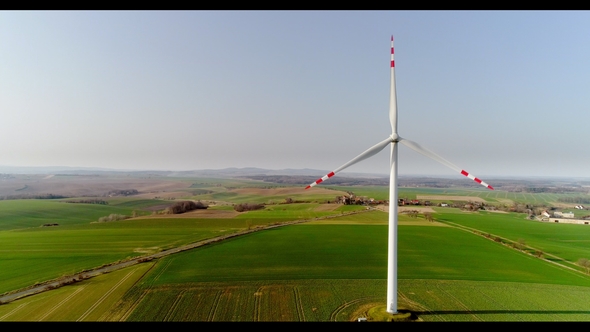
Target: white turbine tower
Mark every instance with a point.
(393, 199)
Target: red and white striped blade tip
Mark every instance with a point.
(476, 179)
(320, 180)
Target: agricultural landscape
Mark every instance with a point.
(259, 247)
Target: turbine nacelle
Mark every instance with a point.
(395, 138)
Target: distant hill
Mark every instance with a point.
(307, 175)
(226, 172)
(253, 171)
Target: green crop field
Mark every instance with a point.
(38, 254)
(26, 213)
(33, 255)
(315, 251)
(496, 196)
(313, 270)
(568, 241)
(323, 270)
(453, 300)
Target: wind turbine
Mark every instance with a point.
(393, 198)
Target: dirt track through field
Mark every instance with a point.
(451, 198)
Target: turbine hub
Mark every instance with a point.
(395, 138)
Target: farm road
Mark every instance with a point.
(63, 281)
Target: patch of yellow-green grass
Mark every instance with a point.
(366, 218)
(350, 299)
(376, 217)
(456, 300)
(379, 313)
(88, 300)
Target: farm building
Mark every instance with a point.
(558, 214)
(568, 221)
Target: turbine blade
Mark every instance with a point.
(418, 148)
(368, 153)
(392, 95)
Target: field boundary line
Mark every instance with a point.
(411, 303)
(257, 303)
(499, 304)
(61, 303)
(461, 304)
(214, 306)
(298, 304)
(345, 305)
(157, 276)
(104, 296)
(174, 305)
(134, 305)
(13, 310)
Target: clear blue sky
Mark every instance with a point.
(499, 93)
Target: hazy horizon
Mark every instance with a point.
(7, 169)
(498, 93)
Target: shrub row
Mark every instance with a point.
(248, 207)
(185, 206)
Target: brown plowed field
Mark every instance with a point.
(327, 207)
(421, 209)
(87, 185)
(451, 198)
(165, 194)
(198, 214)
(286, 191)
